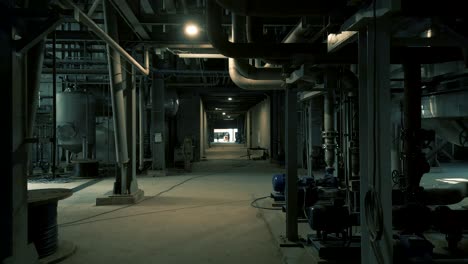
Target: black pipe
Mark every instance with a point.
(278, 8)
(413, 156)
(54, 103)
(254, 29)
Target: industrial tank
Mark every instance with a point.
(76, 125)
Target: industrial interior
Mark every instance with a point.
(234, 131)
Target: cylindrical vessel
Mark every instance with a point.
(76, 120)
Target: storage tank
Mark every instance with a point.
(76, 125)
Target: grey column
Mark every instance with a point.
(133, 187)
(329, 133)
(118, 104)
(374, 99)
(291, 164)
(141, 123)
(157, 124)
(14, 246)
(130, 112)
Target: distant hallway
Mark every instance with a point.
(226, 151)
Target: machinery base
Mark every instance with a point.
(337, 249)
(120, 199)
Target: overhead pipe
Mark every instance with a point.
(277, 8)
(87, 21)
(316, 52)
(220, 41)
(254, 30)
(247, 76)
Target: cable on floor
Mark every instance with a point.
(254, 205)
(130, 205)
(146, 199)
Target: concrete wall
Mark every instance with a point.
(260, 125)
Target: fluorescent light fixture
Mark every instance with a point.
(191, 30)
(429, 33)
(224, 113)
(201, 56)
(230, 98)
(336, 40)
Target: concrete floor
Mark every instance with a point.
(226, 151)
(205, 218)
(199, 217)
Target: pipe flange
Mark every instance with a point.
(330, 146)
(329, 134)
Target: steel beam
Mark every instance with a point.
(87, 21)
(14, 246)
(130, 17)
(291, 165)
(93, 7)
(37, 35)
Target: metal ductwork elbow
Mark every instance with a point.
(247, 83)
(247, 76)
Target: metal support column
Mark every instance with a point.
(14, 247)
(291, 164)
(54, 104)
(118, 105)
(413, 157)
(158, 124)
(132, 135)
(329, 124)
(141, 123)
(375, 142)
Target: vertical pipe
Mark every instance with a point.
(412, 122)
(329, 133)
(54, 103)
(118, 105)
(133, 187)
(141, 119)
(310, 141)
(291, 165)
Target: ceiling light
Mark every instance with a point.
(224, 113)
(230, 98)
(191, 30)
